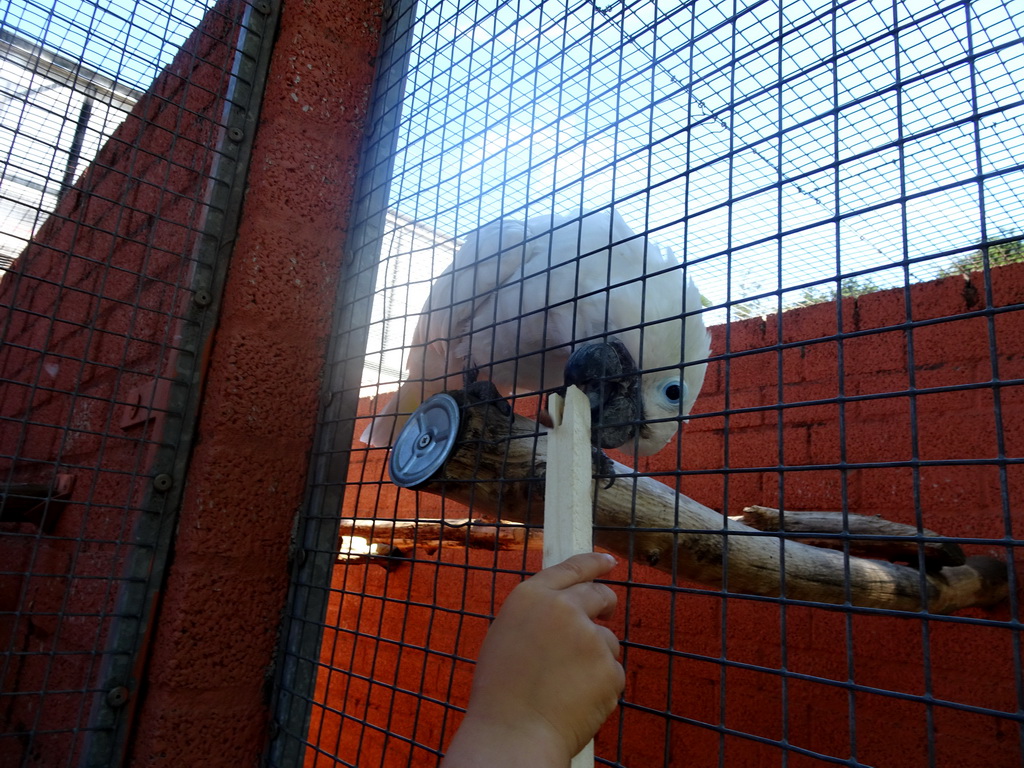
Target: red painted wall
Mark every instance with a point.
(89, 312)
(406, 633)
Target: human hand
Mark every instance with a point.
(547, 676)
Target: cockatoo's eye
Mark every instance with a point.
(673, 391)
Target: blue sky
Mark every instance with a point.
(738, 147)
(40, 105)
(128, 41)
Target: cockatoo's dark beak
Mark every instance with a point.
(606, 373)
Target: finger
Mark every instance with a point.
(611, 641)
(576, 570)
(598, 601)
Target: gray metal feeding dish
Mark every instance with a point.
(425, 442)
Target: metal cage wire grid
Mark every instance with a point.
(121, 139)
(842, 181)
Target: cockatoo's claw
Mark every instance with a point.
(469, 376)
(603, 466)
(485, 392)
(544, 418)
(606, 373)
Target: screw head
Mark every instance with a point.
(202, 298)
(163, 482)
(236, 134)
(118, 696)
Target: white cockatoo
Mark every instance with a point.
(520, 298)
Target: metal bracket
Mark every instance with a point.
(146, 402)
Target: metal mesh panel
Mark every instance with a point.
(842, 182)
(122, 135)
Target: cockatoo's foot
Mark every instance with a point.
(607, 375)
(544, 417)
(604, 467)
(469, 376)
(485, 392)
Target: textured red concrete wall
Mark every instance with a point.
(205, 698)
(394, 640)
(968, 664)
(88, 313)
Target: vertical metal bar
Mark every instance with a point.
(317, 536)
(75, 152)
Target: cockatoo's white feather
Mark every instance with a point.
(518, 298)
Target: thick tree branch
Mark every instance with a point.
(497, 469)
(861, 535)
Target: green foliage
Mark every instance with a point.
(750, 309)
(852, 288)
(999, 255)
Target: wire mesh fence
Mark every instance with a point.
(121, 143)
(841, 182)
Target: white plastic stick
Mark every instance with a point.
(569, 494)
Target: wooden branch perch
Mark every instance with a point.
(381, 541)
(497, 469)
(889, 541)
(384, 540)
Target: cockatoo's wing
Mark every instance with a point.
(522, 329)
(488, 259)
(441, 345)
